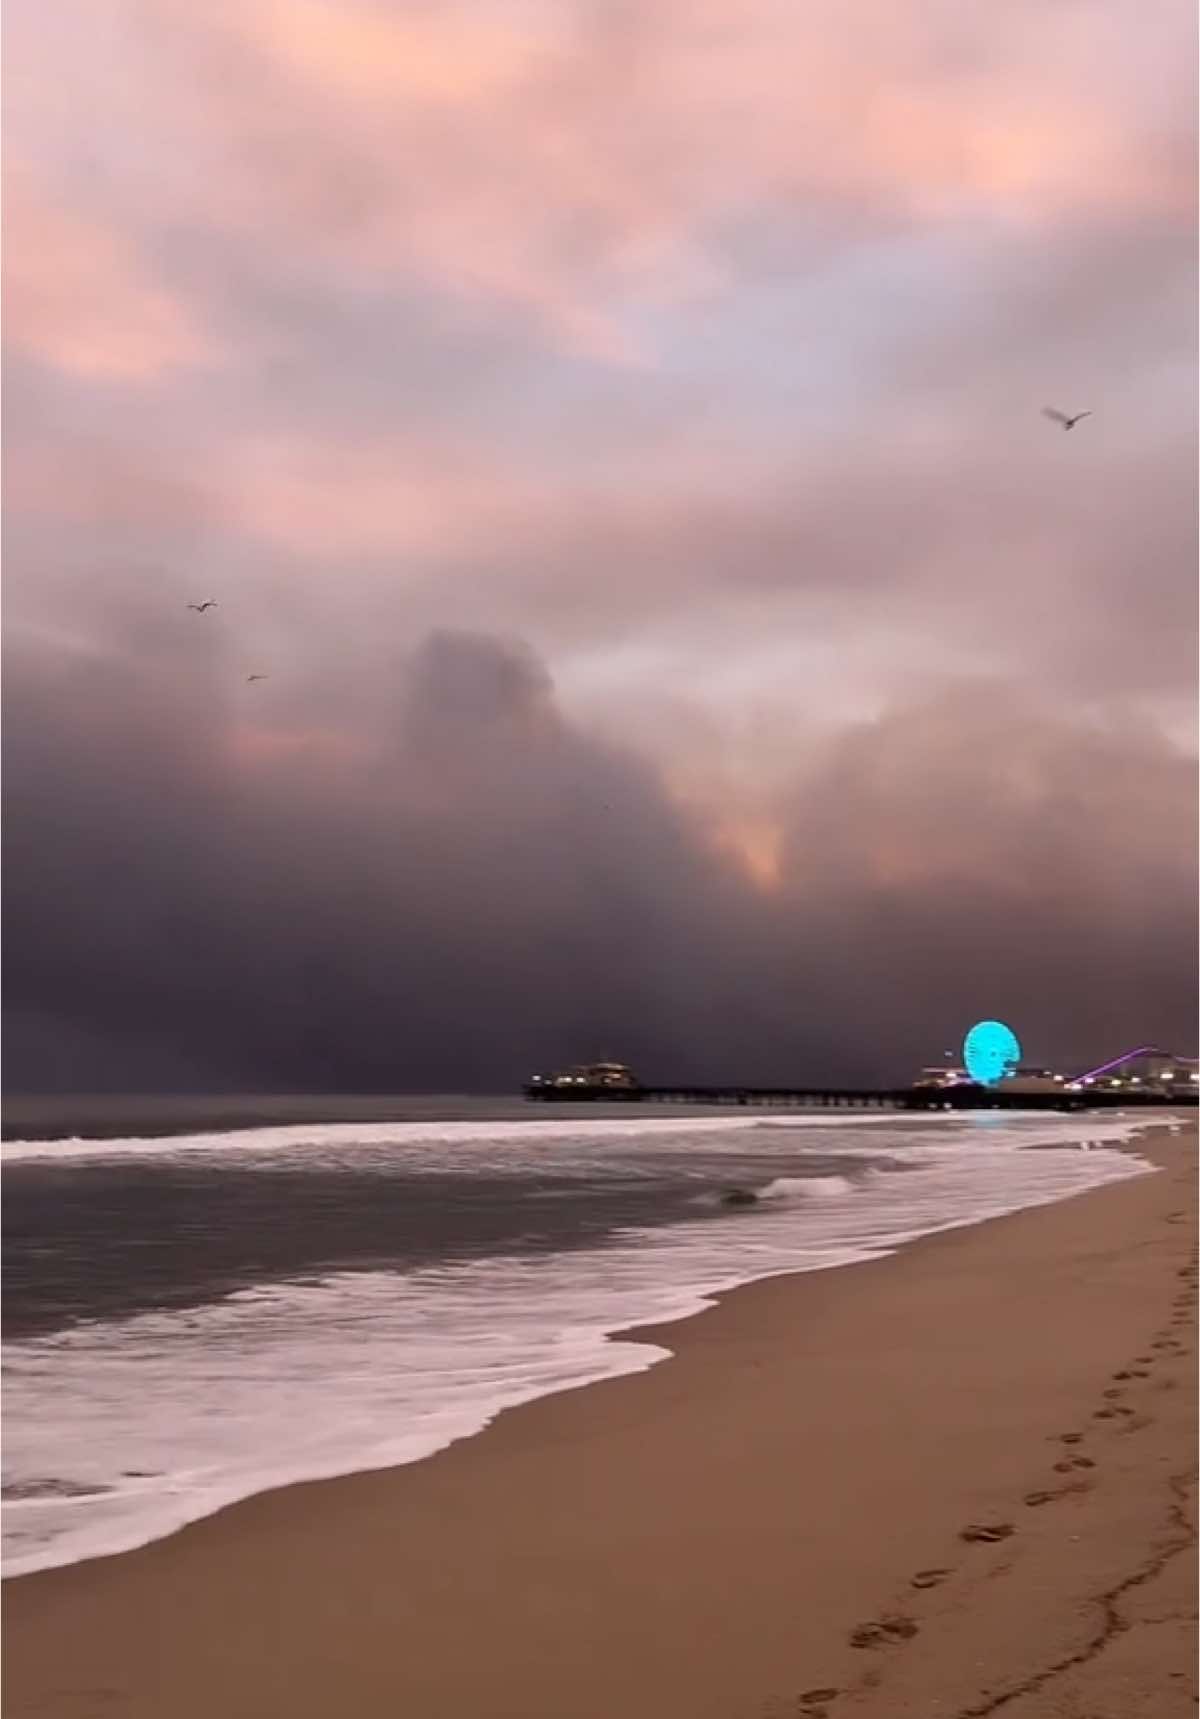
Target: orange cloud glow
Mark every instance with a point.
(251, 746)
(367, 54)
(756, 847)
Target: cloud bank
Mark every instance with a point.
(487, 889)
(615, 430)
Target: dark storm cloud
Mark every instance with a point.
(978, 853)
(488, 890)
(485, 890)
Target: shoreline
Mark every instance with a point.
(534, 1537)
(651, 1332)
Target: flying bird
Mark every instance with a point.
(208, 603)
(1067, 421)
(251, 677)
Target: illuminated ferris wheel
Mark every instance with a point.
(990, 1051)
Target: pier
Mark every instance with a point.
(906, 1098)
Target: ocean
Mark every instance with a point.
(192, 1314)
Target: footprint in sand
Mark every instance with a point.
(892, 1627)
(986, 1532)
(1052, 1494)
(1069, 1438)
(1123, 1374)
(928, 1578)
(1071, 1462)
(811, 1695)
(1112, 1393)
(1104, 1414)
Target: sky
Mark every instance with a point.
(616, 432)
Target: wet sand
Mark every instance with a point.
(950, 1483)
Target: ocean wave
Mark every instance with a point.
(807, 1188)
(357, 1137)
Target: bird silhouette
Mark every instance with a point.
(1067, 421)
(251, 677)
(208, 603)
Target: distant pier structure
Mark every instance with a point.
(964, 1096)
(1166, 1081)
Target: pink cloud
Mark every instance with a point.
(384, 496)
(462, 194)
(78, 297)
(570, 163)
(574, 166)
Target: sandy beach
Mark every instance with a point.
(957, 1481)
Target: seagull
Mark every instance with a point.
(209, 603)
(1067, 422)
(251, 677)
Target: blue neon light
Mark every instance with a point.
(990, 1051)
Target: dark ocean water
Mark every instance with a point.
(141, 1232)
(100, 1116)
(128, 1239)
